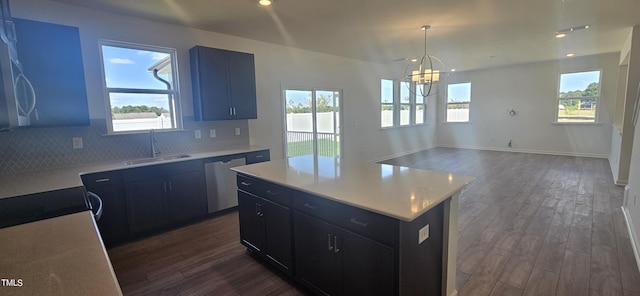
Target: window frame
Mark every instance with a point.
(398, 104)
(173, 93)
(446, 102)
(597, 98)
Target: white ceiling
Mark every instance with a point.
(464, 33)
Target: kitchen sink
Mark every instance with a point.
(155, 159)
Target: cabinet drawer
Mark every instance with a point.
(101, 179)
(269, 191)
(363, 222)
(258, 156)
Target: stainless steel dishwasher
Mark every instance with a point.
(221, 183)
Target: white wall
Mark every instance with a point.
(530, 90)
(631, 206)
(275, 65)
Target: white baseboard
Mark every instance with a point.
(546, 152)
(400, 154)
(635, 241)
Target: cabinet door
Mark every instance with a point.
(315, 255)
(186, 198)
(277, 225)
(366, 266)
(242, 85)
(252, 233)
(51, 59)
(209, 72)
(113, 224)
(145, 204)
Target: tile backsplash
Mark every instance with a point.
(31, 149)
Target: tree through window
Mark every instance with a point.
(578, 96)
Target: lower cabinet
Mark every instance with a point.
(333, 261)
(265, 229)
(164, 195)
(113, 225)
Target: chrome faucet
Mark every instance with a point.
(152, 142)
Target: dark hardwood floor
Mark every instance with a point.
(529, 225)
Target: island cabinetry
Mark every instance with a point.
(258, 156)
(333, 261)
(164, 195)
(223, 83)
(342, 250)
(265, 221)
(113, 224)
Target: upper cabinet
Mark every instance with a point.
(49, 79)
(224, 84)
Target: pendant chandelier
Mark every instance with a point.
(422, 77)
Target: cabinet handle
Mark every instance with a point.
(170, 186)
(310, 206)
(103, 180)
(329, 246)
(271, 192)
(356, 222)
(257, 210)
(234, 110)
(165, 186)
(335, 244)
(245, 183)
(230, 111)
(259, 156)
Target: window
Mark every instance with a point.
(386, 103)
(400, 106)
(141, 90)
(312, 122)
(458, 102)
(578, 96)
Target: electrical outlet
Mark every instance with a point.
(423, 234)
(77, 143)
(198, 134)
(237, 131)
(212, 133)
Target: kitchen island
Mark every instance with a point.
(341, 228)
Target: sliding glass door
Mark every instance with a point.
(312, 123)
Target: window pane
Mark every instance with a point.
(419, 91)
(405, 96)
(386, 94)
(386, 115)
(458, 102)
(133, 68)
(582, 84)
(299, 122)
(578, 96)
(419, 114)
(405, 114)
(132, 112)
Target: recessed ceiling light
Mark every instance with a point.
(265, 2)
(561, 35)
(414, 60)
(571, 54)
(453, 70)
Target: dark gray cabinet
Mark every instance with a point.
(333, 261)
(265, 221)
(258, 156)
(223, 84)
(113, 224)
(164, 195)
(51, 59)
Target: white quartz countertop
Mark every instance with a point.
(46, 180)
(45, 258)
(396, 191)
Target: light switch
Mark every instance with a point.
(77, 143)
(423, 234)
(237, 131)
(212, 133)
(198, 134)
